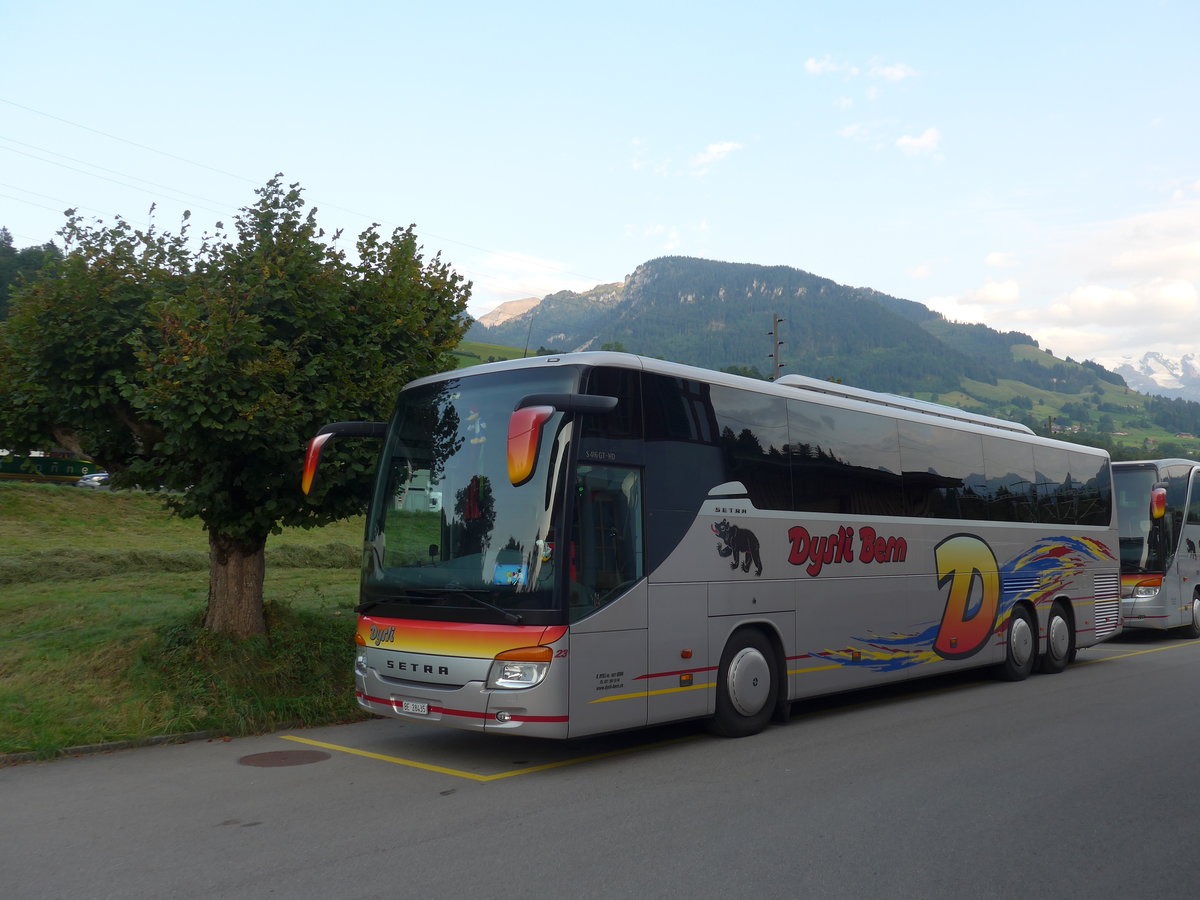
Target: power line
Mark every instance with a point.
(380, 220)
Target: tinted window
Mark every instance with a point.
(1057, 494)
(844, 461)
(754, 436)
(1092, 476)
(679, 409)
(624, 422)
(1011, 489)
(943, 472)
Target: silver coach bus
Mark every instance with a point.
(1158, 512)
(605, 541)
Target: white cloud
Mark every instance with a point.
(1116, 288)
(1160, 258)
(1164, 243)
(894, 72)
(822, 66)
(663, 237)
(921, 271)
(1157, 304)
(996, 293)
(990, 303)
(713, 153)
(925, 143)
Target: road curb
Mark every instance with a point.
(12, 759)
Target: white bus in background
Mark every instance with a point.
(1158, 510)
(623, 541)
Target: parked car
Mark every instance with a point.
(94, 480)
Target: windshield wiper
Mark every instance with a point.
(510, 617)
(426, 595)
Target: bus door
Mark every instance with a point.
(606, 590)
(1182, 579)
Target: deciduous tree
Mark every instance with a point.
(205, 371)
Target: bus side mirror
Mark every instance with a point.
(524, 438)
(534, 411)
(1158, 502)
(326, 433)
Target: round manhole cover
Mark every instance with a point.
(277, 758)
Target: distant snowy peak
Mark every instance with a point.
(1156, 374)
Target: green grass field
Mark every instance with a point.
(100, 599)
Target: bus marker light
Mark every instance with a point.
(685, 680)
(685, 654)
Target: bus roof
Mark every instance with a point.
(786, 386)
(1169, 461)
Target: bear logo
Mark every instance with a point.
(739, 543)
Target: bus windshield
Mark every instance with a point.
(1145, 544)
(448, 534)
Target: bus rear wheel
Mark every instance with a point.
(1060, 641)
(747, 685)
(1020, 652)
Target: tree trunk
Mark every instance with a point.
(235, 587)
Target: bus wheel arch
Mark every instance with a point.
(1020, 645)
(1059, 649)
(750, 683)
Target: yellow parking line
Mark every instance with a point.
(1092, 662)
(457, 773)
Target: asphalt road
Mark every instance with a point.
(1084, 784)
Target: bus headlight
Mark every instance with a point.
(1145, 592)
(360, 662)
(523, 668)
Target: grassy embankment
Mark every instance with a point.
(101, 595)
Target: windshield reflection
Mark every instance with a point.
(446, 527)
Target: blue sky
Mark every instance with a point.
(1034, 166)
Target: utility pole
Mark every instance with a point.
(774, 354)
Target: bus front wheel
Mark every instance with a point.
(1192, 629)
(747, 685)
(1060, 641)
(1020, 652)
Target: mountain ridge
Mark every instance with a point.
(718, 315)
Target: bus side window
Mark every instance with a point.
(607, 545)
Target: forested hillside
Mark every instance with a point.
(717, 315)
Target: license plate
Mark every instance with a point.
(412, 706)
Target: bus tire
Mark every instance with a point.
(1060, 641)
(747, 685)
(1020, 648)
(1192, 629)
